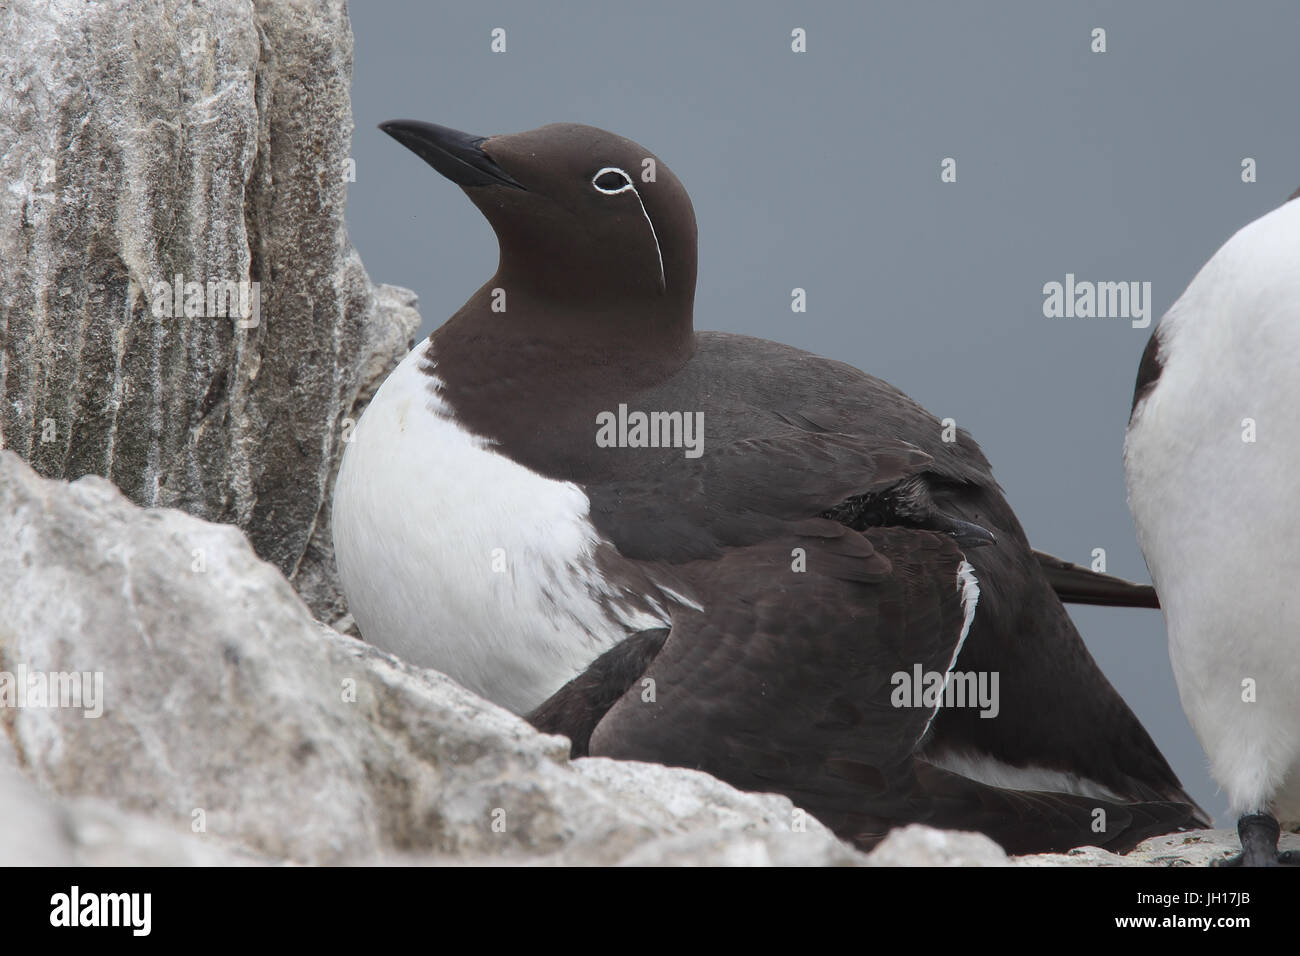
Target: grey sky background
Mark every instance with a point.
(821, 170)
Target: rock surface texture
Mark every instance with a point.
(143, 141)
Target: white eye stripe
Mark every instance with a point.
(628, 185)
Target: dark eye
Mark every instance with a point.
(611, 180)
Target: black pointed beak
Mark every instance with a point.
(967, 533)
(458, 156)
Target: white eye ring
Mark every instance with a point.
(627, 181)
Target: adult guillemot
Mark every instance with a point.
(1211, 457)
(502, 516)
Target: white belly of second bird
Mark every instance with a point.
(1213, 464)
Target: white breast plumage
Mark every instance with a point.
(1213, 466)
(454, 557)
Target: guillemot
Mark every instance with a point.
(748, 609)
(1211, 458)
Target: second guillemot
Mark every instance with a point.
(1212, 459)
(746, 610)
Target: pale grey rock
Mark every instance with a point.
(226, 704)
(717, 847)
(725, 826)
(143, 139)
(919, 845)
(33, 831)
(1193, 848)
(639, 814)
(103, 835)
(43, 829)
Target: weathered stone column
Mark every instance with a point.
(180, 308)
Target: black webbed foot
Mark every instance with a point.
(1259, 833)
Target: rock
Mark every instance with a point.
(149, 140)
(1193, 848)
(724, 826)
(919, 845)
(227, 708)
(33, 832)
(41, 829)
